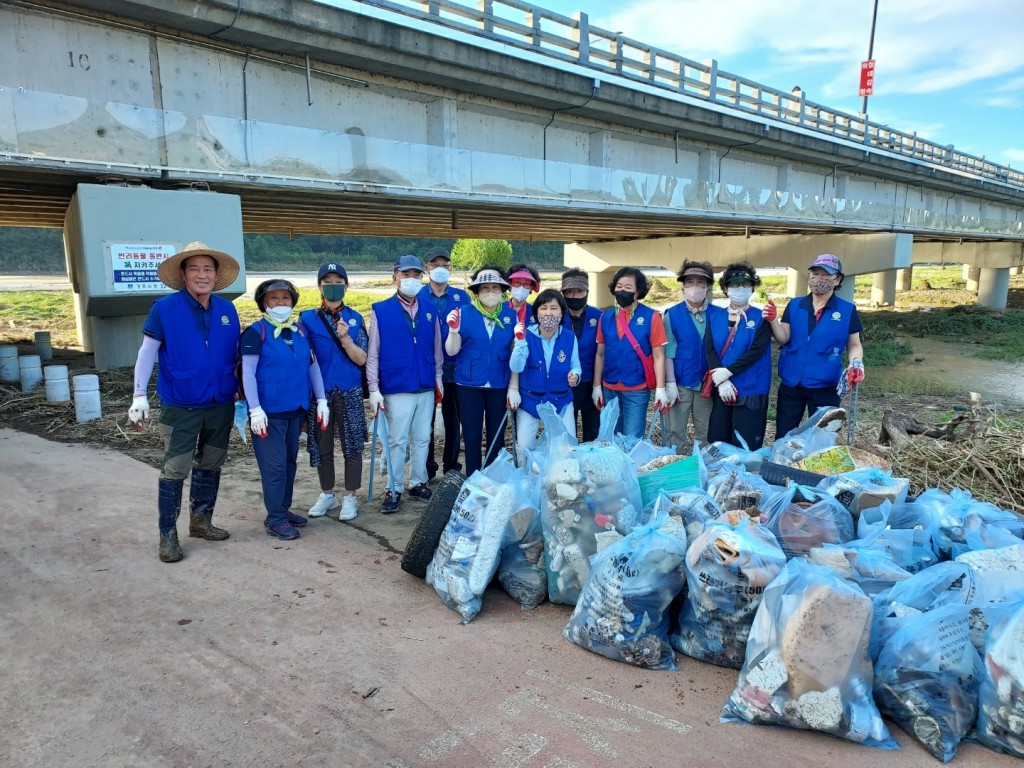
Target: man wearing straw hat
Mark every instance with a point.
(195, 336)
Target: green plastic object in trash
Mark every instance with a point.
(678, 475)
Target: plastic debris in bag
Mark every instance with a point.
(728, 568)
(865, 489)
(807, 663)
(521, 571)
(818, 433)
(668, 474)
(904, 534)
(693, 505)
(622, 611)
(1001, 698)
(927, 679)
(802, 518)
(739, 490)
(590, 497)
(873, 570)
(470, 547)
(718, 456)
(951, 513)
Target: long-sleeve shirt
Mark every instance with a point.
(373, 351)
(521, 351)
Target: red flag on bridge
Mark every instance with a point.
(867, 78)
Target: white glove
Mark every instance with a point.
(660, 399)
(718, 375)
(258, 422)
(727, 391)
(671, 392)
(139, 411)
(323, 413)
(454, 321)
(513, 399)
(376, 402)
(598, 396)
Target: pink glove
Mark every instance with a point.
(454, 319)
(520, 331)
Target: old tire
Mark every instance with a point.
(427, 534)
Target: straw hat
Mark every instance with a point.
(171, 274)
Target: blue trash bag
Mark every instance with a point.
(865, 488)
(718, 456)
(807, 664)
(864, 563)
(950, 513)
(808, 438)
(521, 571)
(802, 519)
(737, 489)
(693, 505)
(622, 612)
(900, 531)
(927, 679)
(728, 568)
(1001, 698)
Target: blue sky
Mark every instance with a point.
(952, 70)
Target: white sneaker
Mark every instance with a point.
(348, 509)
(325, 502)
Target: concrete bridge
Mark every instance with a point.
(437, 119)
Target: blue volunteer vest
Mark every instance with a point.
(336, 368)
(540, 384)
(195, 372)
(282, 374)
(815, 359)
(484, 360)
(757, 379)
(454, 298)
(586, 342)
(406, 359)
(690, 363)
(621, 363)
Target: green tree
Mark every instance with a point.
(470, 255)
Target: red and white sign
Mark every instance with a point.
(867, 77)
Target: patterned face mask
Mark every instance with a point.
(820, 285)
(549, 322)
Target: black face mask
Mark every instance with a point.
(576, 304)
(625, 298)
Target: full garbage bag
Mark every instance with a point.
(693, 505)
(865, 489)
(951, 512)
(927, 679)
(521, 571)
(807, 663)
(736, 489)
(901, 532)
(1001, 698)
(802, 519)
(870, 568)
(718, 456)
(586, 490)
(818, 433)
(728, 568)
(622, 612)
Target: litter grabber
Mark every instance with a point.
(500, 432)
(515, 437)
(373, 453)
(849, 380)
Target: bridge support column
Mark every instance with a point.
(796, 282)
(1017, 271)
(600, 296)
(971, 274)
(883, 290)
(993, 286)
(904, 279)
(846, 289)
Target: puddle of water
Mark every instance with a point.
(943, 367)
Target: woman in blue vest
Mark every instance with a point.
(583, 318)
(279, 374)
(630, 359)
(480, 338)
(545, 368)
(738, 344)
(686, 361)
(814, 330)
(338, 337)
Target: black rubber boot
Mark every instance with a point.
(169, 506)
(170, 549)
(202, 498)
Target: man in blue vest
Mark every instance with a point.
(584, 319)
(445, 298)
(814, 331)
(195, 335)
(404, 368)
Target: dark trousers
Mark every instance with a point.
(793, 401)
(748, 419)
(452, 432)
(276, 455)
(325, 442)
(584, 409)
(477, 405)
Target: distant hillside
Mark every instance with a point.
(33, 250)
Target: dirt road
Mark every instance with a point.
(255, 652)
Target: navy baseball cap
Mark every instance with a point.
(331, 266)
(408, 262)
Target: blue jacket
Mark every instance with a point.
(196, 372)
(815, 359)
(621, 363)
(335, 366)
(282, 374)
(757, 379)
(406, 357)
(587, 341)
(539, 384)
(454, 298)
(483, 360)
(690, 363)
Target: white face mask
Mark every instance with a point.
(440, 274)
(740, 294)
(520, 293)
(410, 286)
(490, 300)
(695, 294)
(279, 313)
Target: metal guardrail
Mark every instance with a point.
(572, 39)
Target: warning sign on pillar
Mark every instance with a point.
(867, 77)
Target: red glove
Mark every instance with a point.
(770, 312)
(855, 373)
(520, 331)
(438, 395)
(454, 319)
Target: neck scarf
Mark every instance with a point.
(278, 327)
(329, 313)
(697, 312)
(735, 313)
(494, 315)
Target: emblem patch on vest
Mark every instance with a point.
(639, 321)
(593, 321)
(224, 320)
(561, 356)
(837, 315)
(457, 297)
(750, 323)
(352, 322)
(429, 317)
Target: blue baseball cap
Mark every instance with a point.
(408, 262)
(331, 266)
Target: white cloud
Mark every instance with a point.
(1014, 155)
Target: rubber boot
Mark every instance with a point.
(169, 506)
(202, 498)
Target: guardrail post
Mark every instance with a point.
(432, 8)
(581, 36)
(710, 78)
(533, 22)
(486, 8)
(949, 155)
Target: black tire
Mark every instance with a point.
(427, 533)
